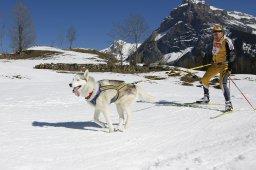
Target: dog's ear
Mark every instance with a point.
(86, 74)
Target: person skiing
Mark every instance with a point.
(223, 56)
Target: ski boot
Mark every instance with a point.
(204, 100)
(228, 106)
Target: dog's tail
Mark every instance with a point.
(144, 96)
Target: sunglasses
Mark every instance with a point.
(217, 31)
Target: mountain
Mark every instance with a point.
(184, 37)
(119, 45)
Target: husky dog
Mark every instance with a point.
(101, 93)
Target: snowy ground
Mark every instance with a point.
(45, 127)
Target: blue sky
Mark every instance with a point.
(93, 19)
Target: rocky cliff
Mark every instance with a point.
(185, 36)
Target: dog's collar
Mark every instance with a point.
(89, 96)
(93, 101)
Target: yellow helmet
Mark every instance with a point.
(217, 28)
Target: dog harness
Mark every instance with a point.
(108, 87)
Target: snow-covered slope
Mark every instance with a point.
(67, 56)
(44, 126)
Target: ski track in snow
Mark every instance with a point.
(44, 126)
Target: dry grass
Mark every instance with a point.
(101, 55)
(155, 78)
(29, 54)
(190, 78)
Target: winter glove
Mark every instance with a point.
(219, 65)
(232, 57)
(230, 66)
(231, 60)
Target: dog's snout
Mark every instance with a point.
(70, 84)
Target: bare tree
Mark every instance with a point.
(22, 33)
(131, 50)
(52, 44)
(61, 39)
(71, 36)
(133, 30)
(119, 51)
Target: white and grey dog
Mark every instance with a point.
(101, 93)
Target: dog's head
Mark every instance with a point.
(80, 84)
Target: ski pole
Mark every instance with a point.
(193, 68)
(136, 82)
(241, 93)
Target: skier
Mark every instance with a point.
(223, 56)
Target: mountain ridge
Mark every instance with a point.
(189, 27)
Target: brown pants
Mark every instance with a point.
(212, 71)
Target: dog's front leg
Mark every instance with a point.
(106, 114)
(96, 119)
(127, 122)
(121, 118)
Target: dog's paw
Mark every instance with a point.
(126, 126)
(101, 124)
(104, 125)
(119, 130)
(111, 130)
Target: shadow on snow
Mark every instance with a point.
(71, 125)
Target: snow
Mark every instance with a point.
(182, 5)
(215, 9)
(252, 25)
(159, 36)
(235, 22)
(240, 15)
(127, 49)
(44, 126)
(192, 1)
(174, 56)
(46, 48)
(198, 1)
(66, 56)
(162, 34)
(248, 48)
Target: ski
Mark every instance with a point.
(187, 104)
(208, 106)
(223, 112)
(205, 104)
